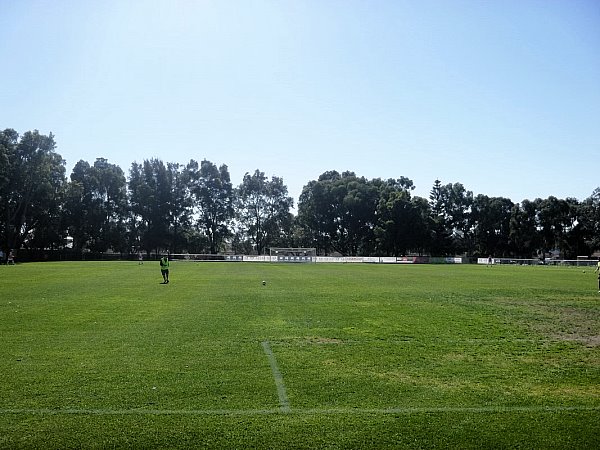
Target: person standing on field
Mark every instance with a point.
(597, 269)
(164, 269)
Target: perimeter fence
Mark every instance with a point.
(384, 260)
(69, 255)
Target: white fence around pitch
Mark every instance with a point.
(539, 262)
(319, 259)
(382, 260)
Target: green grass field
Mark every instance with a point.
(101, 355)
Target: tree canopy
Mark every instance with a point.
(196, 208)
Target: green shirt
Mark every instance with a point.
(164, 264)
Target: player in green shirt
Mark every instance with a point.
(164, 269)
(597, 269)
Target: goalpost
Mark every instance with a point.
(293, 254)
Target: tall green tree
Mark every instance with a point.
(317, 213)
(557, 219)
(441, 229)
(422, 234)
(491, 218)
(399, 220)
(359, 207)
(32, 180)
(451, 207)
(576, 244)
(75, 214)
(159, 206)
(458, 203)
(180, 203)
(524, 236)
(589, 217)
(213, 195)
(341, 210)
(97, 206)
(263, 209)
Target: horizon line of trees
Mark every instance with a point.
(196, 208)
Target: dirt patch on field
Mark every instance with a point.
(568, 324)
(590, 341)
(557, 321)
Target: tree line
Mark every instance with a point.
(196, 208)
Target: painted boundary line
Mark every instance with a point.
(301, 412)
(284, 403)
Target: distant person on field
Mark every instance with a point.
(597, 269)
(1, 256)
(140, 258)
(11, 258)
(164, 269)
(490, 261)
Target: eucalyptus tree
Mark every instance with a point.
(213, 199)
(96, 206)
(317, 212)
(32, 179)
(589, 219)
(490, 220)
(557, 219)
(576, 231)
(160, 206)
(451, 207)
(424, 225)
(298, 235)
(180, 207)
(398, 218)
(340, 211)
(524, 235)
(359, 207)
(8, 140)
(263, 210)
(562, 227)
(458, 203)
(75, 217)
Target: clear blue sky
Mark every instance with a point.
(502, 96)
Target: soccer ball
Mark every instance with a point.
(264, 282)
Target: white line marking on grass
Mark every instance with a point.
(448, 409)
(300, 412)
(142, 412)
(284, 403)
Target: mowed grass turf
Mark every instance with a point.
(101, 355)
